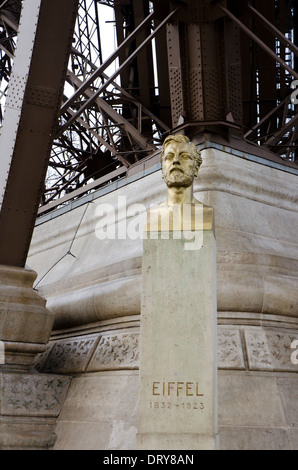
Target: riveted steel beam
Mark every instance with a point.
(106, 64)
(275, 31)
(204, 72)
(114, 75)
(33, 101)
(255, 38)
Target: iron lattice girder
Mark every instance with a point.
(104, 106)
(201, 83)
(255, 38)
(101, 69)
(276, 128)
(9, 20)
(204, 70)
(28, 123)
(126, 134)
(114, 116)
(196, 108)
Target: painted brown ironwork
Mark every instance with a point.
(29, 121)
(223, 67)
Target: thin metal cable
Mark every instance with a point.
(69, 249)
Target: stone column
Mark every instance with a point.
(25, 322)
(178, 369)
(29, 402)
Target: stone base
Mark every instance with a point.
(177, 441)
(30, 405)
(27, 434)
(25, 322)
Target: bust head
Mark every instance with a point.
(180, 161)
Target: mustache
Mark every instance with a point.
(175, 168)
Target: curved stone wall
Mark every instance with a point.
(257, 250)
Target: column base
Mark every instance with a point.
(30, 402)
(30, 405)
(25, 322)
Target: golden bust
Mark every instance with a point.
(180, 163)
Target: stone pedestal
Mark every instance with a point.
(25, 322)
(30, 405)
(29, 402)
(178, 370)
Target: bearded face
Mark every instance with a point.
(178, 165)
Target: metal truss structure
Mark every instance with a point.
(222, 67)
(9, 20)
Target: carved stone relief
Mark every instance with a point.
(258, 353)
(270, 350)
(32, 394)
(280, 348)
(70, 356)
(229, 349)
(116, 351)
(260, 349)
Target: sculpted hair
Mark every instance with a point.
(180, 138)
